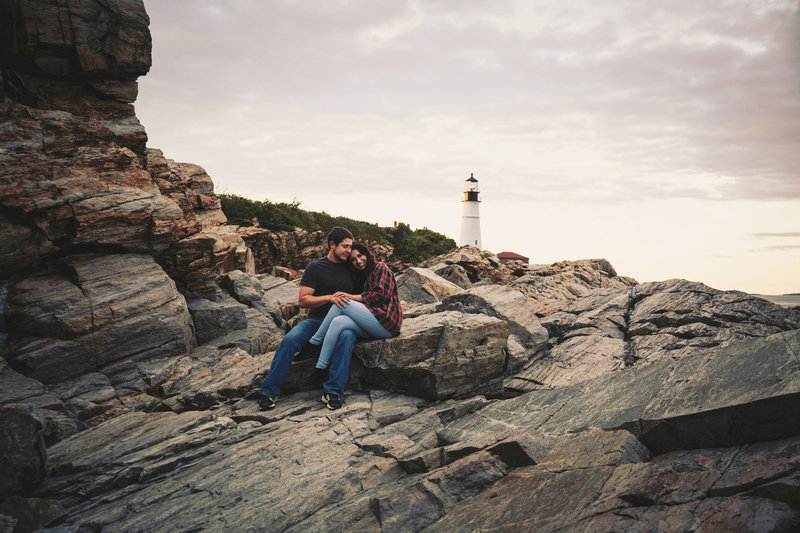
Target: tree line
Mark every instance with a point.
(409, 245)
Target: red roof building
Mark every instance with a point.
(505, 257)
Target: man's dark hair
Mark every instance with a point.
(337, 235)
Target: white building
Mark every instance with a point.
(470, 216)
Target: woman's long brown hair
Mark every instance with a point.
(362, 275)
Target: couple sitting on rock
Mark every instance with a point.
(349, 295)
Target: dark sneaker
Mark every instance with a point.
(265, 403)
(317, 378)
(332, 401)
(308, 351)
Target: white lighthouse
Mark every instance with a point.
(470, 217)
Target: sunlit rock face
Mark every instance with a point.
(135, 327)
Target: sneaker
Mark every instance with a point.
(318, 377)
(332, 401)
(308, 351)
(265, 403)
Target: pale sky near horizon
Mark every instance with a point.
(663, 136)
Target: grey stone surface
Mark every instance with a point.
(611, 329)
(32, 514)
(694, 402)
(214, 319)
(420, 285)
(437, 356)
(455, 274)
(702, 490)
(23, 458)
(279, 290)
(260, 336)
(506, 304)
(249, 290)
(15, 387)
(211, 376)
(105, 308)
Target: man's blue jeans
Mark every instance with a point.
(339, 369)
(294, 340)
(284, 354)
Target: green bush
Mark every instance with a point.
(418, 245)
(410, 245)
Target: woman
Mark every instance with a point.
(373, 314)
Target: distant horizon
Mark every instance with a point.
(300, 203)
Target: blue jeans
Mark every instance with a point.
(354, 316)
(284, 354)
(282, 360)
(340, 363)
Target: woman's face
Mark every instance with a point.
(358, 259)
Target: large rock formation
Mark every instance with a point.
(75, 173)
(134, 332)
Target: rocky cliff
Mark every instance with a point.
(135, 328)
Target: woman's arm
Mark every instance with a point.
(380, 286)
(341, 298)
(309, 301)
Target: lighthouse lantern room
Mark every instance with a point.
(470, 216)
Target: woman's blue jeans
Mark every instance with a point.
(355, 317)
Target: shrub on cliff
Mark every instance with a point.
(409, 245)
(288, 216)
(419, 244)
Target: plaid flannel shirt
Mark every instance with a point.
(380, 297)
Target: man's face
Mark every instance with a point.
(342, 250)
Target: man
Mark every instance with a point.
(325, 282)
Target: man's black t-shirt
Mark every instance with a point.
(327, 277)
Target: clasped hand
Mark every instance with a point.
(341, 299)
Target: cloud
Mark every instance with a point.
(776, 248)
(794, 234)
(611, 102)
(774, 237)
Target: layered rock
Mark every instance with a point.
(204, 246)
(420, 285)
(91, 315)
(611, 329)
(703, 490)
(72, 169)
(95, 193)
(505, 303)
(293, 249)
(190, 188)
(101, 238)
(477, 265)
(438, 356)
(574, 459)
(702, 395)
(23, 458)
(80, 58)
(569, 280)
(683, 317)
(75, 174)
(283, 249)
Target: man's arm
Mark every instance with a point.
(309, 301)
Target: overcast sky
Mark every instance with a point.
(663, 136)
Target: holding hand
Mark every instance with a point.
(341, 299)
